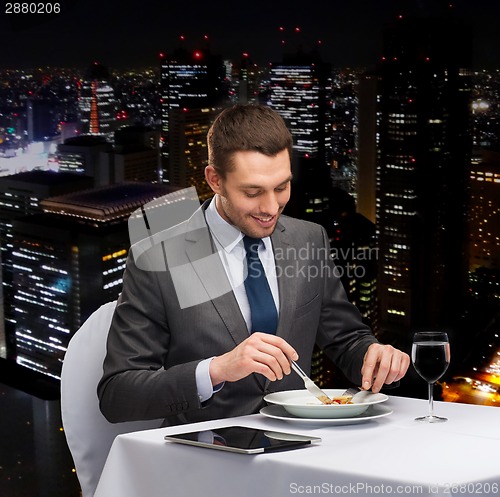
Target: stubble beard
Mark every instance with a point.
(246, 228)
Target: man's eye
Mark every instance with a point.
(251, 195)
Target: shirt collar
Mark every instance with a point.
(226, 234)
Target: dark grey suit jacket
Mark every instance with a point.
(175, 310)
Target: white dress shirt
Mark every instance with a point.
(229, 245)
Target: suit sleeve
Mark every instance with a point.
(135, 385)
(342, 335)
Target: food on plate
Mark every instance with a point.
(341, 399)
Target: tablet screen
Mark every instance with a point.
(243, 439)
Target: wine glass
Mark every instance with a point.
(430, 355)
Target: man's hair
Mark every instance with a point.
(242, 128)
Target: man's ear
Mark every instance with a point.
(213, 179)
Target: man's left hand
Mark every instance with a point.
(383, 364)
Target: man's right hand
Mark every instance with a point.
(261, 353)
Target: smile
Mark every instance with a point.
(264, 220)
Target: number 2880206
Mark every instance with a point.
(32, 8)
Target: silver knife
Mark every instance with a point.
(310, 385)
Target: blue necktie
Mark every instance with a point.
(260, 298)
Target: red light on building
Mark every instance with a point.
(282, 28)
(297, 29)
(197, 54)
(182, 37)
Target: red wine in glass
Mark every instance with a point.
(430, 355)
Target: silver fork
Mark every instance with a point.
(310, 385)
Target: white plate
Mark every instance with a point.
(302, 404)
(279, 412)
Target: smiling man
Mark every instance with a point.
(220, 354)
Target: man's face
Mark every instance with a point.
(254, 194)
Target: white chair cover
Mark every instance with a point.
(89, 435)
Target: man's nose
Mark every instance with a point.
(269, 204)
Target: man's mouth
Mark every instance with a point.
(264, 221)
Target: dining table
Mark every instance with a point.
(379, 455)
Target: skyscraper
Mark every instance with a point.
(300, 91)
(97, 104)
(68, 261)
(86, 154)
(355, 253)
(367, 142)
(190, 81)
(188, 148)
(484, 212)
(484, 262)
(425, 147)
(343, 129)
(245, 80)
(20, 196)
(136, 154)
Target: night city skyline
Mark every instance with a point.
(44, 111)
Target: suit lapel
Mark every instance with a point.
(287, 282)
(200, 251)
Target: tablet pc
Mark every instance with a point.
(243, 439)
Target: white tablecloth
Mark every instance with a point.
(394, 455)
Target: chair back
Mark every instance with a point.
(88, 434)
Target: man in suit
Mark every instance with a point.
(189, 341)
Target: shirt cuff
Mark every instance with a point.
(204, 382)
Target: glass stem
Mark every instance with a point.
(431, 400)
